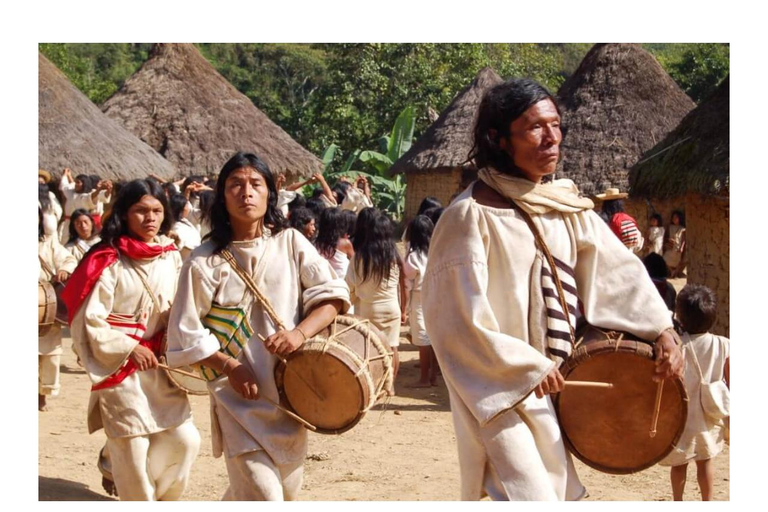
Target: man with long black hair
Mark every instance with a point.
(490, 306)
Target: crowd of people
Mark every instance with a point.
(233, 272)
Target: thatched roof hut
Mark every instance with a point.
(447, 141)
(692, 158)
(618, 104)
(73, 132)
(181, 106)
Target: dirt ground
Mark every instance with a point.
(402, 450)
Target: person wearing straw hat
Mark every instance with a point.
(622, 224)
(500, 324)
(253, 277)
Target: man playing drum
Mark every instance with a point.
(493, 313)
(217, 321)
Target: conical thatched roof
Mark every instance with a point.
(181, 106)
(448, 140)
(74, 133)
(618, 104)
(694, 157)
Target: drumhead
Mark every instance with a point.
(609, 429)
(190, 385)
(46, 307)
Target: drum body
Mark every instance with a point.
(46, 307)
(62, 316)
(190, 385)
(609, 429)
(336, 376)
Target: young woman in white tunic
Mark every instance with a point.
(118, 300)
(675, 244)
(707, 359)
(47, 201)
(485, 312)
(187, 235)
(79, 193)
(418, 236)
(332, 240)
(55, 263)
(217, 322)
(375, 278)
(82, 234)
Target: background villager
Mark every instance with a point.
(674, 248)
(83, 234)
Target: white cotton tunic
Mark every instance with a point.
(74, 200)
(656, 239)
(703, 437)
(189, 235)
(414, 266)
(145, 402)
(291, 273)
(57, 258)
(488, 334)
(80, 247)
(52, 215)
(377, 301)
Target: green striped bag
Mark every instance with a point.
(233, 330)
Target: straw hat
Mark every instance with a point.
(45, 174)
(611, 193)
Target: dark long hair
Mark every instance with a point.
(87, 181)
(115, 223)
(419, 234)
(221, 229)
(177, 202)
(427, 203)
(40, 228)
(680, 215)
(207, 197)
(611, 207)
(42, 196)
(332, 226)
(500, 106)
(73, 236)
(374, 244)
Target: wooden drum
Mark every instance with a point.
(46, 307)
(336, 376)
(610, 429)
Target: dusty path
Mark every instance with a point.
(405, 451)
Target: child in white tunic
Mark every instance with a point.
(118, 300)
(55, 262)
(707, 359)
(82, 234)
(485, 311)
(217, 322)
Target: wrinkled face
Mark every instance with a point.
(84, 227)
(534, 140)
(246, 196)
(145, 218)
(310, 229)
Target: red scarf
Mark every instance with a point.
(84, 278)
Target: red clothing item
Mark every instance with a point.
(625, 227)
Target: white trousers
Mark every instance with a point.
(48, 370)
(253, 476)
(154, 467)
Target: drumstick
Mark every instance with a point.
(297, 374)
(659, 388)
(588, 384)
(286, 411)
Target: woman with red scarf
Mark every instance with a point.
(118, 300)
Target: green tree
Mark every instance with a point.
(701, 69)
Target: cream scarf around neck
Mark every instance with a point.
(561, 195)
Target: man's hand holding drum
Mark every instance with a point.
(669, 357)
(284, 342)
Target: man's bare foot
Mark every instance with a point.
(419, 384)
(109, 486)
(41, 406)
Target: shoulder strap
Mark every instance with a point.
(251, 284)
(146, 285)
(695, 360)
(543, 246)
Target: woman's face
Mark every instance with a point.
(246, 196)
(145, 218)
(310, 229)
(534, 140)
(78, 186)
(84, 227)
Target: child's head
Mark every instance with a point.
(656, 266)
(696, 308)
(655, 220)
(678, 218)
(419, 233)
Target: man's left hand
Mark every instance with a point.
(283, 343)
(669, 357)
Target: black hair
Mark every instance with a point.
(612, 206)
(42, 196)
(177, 202)
(40, 228)
(191, 179)
(500, 106)
(374, 244)
(659, 221)
(680, 215)
(656, 266)
(340, 191)
(205, 203)
(427, 203)
(221, 229)
(316, 205)
(351, 220)
(300, 217)
(434, 214)
(333, 225)
(298, 202)
(696, 308)
(115, 225)
(419, 234)
(73, 236)
(87, 181)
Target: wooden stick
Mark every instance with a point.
(166, 367)
(588, 384)
(657, 409)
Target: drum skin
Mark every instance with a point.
(608, 429)
(327, 382)
(46, 307)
